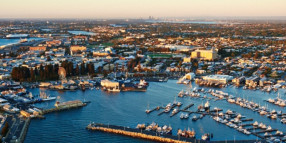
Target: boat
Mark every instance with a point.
(207, 105)
(231, 100)
(148, 110)
(206, 137)
(271, 100)
(167, 110)
(186, 133)
(141, 126)
(184, 116)
(246, 132)
(279, 133)
(255, 124)
(269, 128)
(194, 118)
(283, 120)
(46, 97)
(174, 111)
(274, 116)
(24, 40)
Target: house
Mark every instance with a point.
(38, 48)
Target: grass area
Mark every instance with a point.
(107, 44)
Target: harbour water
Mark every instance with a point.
(15, 41)
(81, 33)
(128, 109)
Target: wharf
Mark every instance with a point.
(142, 134)
(246, 120)
(264, 131)
(56, 109)
(189, 106)
(183, 110)
(246, 125)
(156, 108)
(153, 136)
(173, 106)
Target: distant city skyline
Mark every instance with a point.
(140, 8)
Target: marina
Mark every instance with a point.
(153, 98)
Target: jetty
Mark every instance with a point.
(142, 134)
(65, 106)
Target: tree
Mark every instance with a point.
(5, 129)
(77, 72)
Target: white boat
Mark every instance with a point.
(269, 128)
(231, 100)
(274, 116)
(205, 137)
(271, 100)
(207, 105)
(255, 124)
(186, 116)
(174, 111)
(49, 98)
(283, 121)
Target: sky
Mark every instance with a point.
(105, 9)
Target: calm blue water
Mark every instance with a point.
(14, 41)
(128, 109)
(81, 33)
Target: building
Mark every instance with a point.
(25, 114)
(218, 78)
(38, 48)
(205, 54)
(77, 48)
(54, 43)
(110, 86)
(190, 76)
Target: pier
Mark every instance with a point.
(56, 109)
(136, 133)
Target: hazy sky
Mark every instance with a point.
(139, 8)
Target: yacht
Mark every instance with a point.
(279, 133)
(246, 132)
(262, 112)
(283, 121)
(255, 124)
(182, 116)
(206, 137)
(174, 111)
(229, 112)
(167, 109)
(194, 118)
(186, 116)
(274, 116)
(269, 128)
(231, 100)
(271, 100)
(147, 110)
(207, 105)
